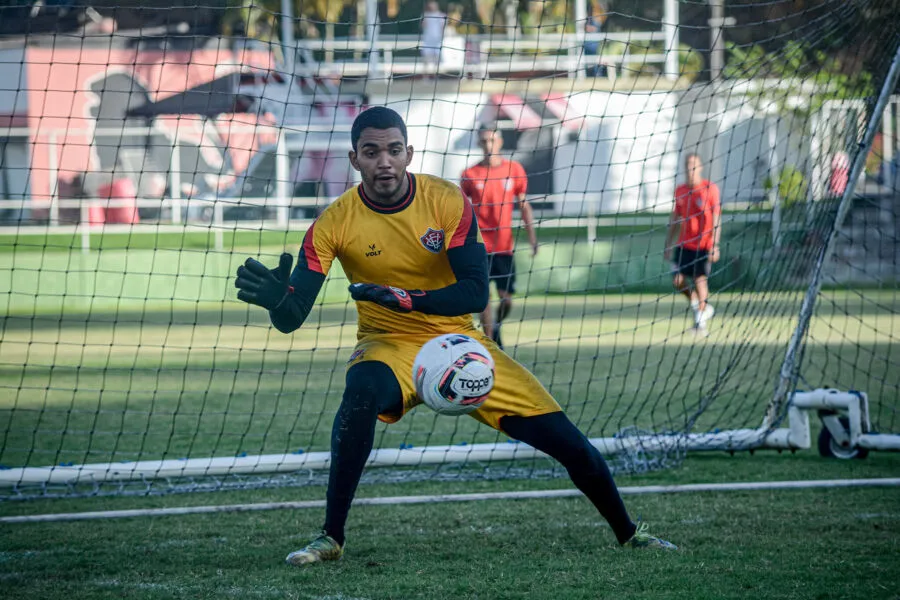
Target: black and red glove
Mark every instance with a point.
(387, 296)
(263, 286)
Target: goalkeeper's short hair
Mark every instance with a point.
(377, 117)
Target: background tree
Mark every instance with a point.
(255, 17)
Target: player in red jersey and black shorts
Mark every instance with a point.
(698, 218)
(494, 186)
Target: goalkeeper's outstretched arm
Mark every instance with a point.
(304, 288)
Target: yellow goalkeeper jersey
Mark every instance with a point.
(404, 246)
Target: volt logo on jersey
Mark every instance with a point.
(433, 240)
(372, 251)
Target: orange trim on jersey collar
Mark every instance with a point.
(410, 194)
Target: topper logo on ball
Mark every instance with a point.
(475, 385)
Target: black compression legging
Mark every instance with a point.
(555, 435)
(373, 389)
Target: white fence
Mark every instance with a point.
(483, 55)
(219, 226)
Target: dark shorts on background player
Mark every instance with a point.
(692, 263)
(502, 271)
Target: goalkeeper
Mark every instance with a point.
(411, 248)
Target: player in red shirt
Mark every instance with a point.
(698, 218)
(494, 186)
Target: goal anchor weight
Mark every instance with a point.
(834, 439)
(846, 431)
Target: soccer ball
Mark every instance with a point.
(453, 374)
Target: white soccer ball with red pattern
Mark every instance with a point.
(453, 374)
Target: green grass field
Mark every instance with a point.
(129, 352)
(156, 270)
(99, 387)
(798, 544)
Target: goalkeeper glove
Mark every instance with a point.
(387, 296)
(262, 286)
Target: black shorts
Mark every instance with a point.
(692, 263)
(502, 271)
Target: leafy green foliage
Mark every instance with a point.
(260, 19)
(690, 62)
(792, 186)
(802, 70)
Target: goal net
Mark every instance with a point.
(146, 152)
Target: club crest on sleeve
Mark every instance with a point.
(433, 240)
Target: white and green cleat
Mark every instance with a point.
(643, 539)
(320, 549)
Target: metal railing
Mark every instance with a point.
(280, 141)
(218, 225)
(484, 54)
(183, 215)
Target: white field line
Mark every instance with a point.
(391, 500)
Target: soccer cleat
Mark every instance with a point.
(698, 329)
(320, 549)
(643, 539)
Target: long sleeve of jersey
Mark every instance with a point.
(291, 314)
(470, 292)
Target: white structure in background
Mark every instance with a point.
(606, 152)
(611, 152)
(625, 158)
(453, 55)
(312, 143)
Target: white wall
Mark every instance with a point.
(624, 160)
(440, 131)
(733, 139)
(626, 157)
